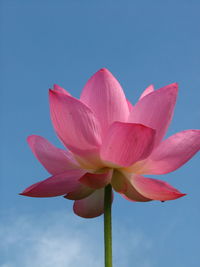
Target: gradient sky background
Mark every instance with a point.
(65, 42)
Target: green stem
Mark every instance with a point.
(108, 225)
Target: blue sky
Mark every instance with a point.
(65, 42)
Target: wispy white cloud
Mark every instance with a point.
(58, 240)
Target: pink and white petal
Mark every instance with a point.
(126, 143)
(91, 206)
(155, 189)
(96, 180)
(59, 89)
(155, 110)
(105, 96)
(147, 91)
(120, 183)
(56, 185)
(81, 192)
(132, 194)
(74, 123)
(172, 153)
(55, 160)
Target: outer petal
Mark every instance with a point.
(122, 185)
(55, 160)
(155, 189)
(59, 89)
(56, 185)
(96, 180)
(155, 110)
(126, 143)
(133, 195)
(171, 153)
(104, 95)
(74, 123)
(91, 206)
(147, 91)
(80, 192)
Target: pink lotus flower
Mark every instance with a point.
(109, 141)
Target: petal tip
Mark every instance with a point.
(174, 86)
(31, 138)
(182, 194)
(51, 91)
(24, 193)
(176, 196)
(104, 70)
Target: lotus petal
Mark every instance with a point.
(59, 89)
(75, 124)
(155, 110)
(105, 96)
(155, 189)
(56, 185)
(80, 192)
(55, 160)
(126, 143)
(91, 206)
(171, 154)
(96, 180)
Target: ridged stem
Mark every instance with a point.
(108, 225)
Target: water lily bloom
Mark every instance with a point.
(110, 141)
